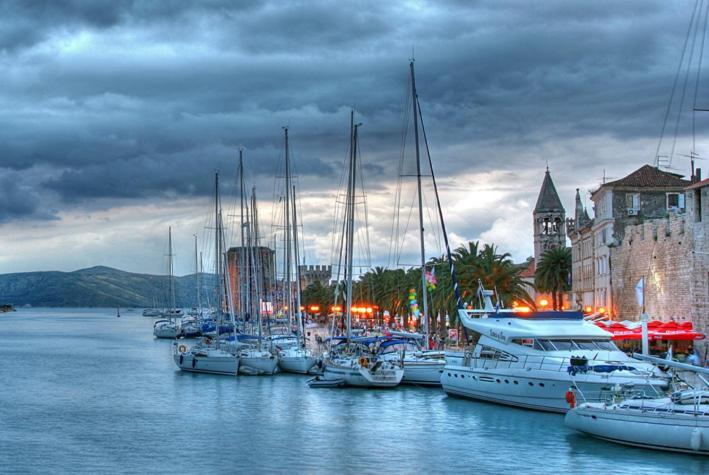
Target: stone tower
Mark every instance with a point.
(549, 219)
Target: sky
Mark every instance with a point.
(114, 117)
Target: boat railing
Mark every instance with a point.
(530, 362)
(549, 363)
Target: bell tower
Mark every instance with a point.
(549, 219)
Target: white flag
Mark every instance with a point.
(640, 292)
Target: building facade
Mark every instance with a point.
(239, 260)
(317, 273)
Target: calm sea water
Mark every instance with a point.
(84, 391)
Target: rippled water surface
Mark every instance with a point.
(84, 391)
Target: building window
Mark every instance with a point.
(698, 205)
(675, 201)
(632, 201)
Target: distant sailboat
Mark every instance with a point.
(168, 328)
(118, 312)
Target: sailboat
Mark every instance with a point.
(296, 358)
(168, 328)
(208, 356)
(351, 362)
(423, 367)
(254, 359)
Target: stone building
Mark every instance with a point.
(312, 274)
(549, 231)
(638, 231)
(237, 259)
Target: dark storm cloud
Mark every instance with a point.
(142, 99)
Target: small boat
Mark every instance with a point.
(678, 423)
(318, 382)
(421, 366)
(118, 312)
(152, 312)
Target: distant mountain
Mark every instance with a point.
(98, 287)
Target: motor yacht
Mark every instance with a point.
(529, 359)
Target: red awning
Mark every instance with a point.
(657, 331)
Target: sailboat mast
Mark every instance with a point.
(424, 297)
(217, 253)
(196, 276)
(350, 221)
(171, 270)
(286, 214)
(296, 258)
(241, 265)
(253, 234)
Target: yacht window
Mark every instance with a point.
(562, 345)
(547, 345)
(585, 345)
(495, 354)
(524, 342)
(606, 345)
(538, 346)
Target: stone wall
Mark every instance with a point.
(661, 251)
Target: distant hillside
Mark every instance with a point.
(97, 287)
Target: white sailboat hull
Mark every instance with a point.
(648, 429)
(423, 372)
(297, 364)
(383, 377)
(538, 390)
(166, 331)
(224, 363)
(257, 364)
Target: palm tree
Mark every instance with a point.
(553, 274)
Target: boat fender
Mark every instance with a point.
(571, 398)
(181, 358)
(182, 349)
(363, 362)
(696, 439)
(194, 362)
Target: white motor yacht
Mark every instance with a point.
(166, 329)
(353, 363)
(152, 312)
(205, 358)
(530, 359)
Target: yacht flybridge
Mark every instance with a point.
(531, 359)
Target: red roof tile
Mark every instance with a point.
(699, 184)
(649, 177)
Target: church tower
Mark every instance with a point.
(549, 219)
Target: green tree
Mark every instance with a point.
(553, 274)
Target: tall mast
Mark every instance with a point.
(420, 200)
(296, 258)
(351, 188)
(217, 253)
(253, 233)
(171, 271)
(242, 264)
(286, 214)
(196, 276)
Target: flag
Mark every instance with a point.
(640, 292)
(431, 280)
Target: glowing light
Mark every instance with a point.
(588, 309)
(602, 310)
(544, 302)
(314, 308)
(523, 309)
